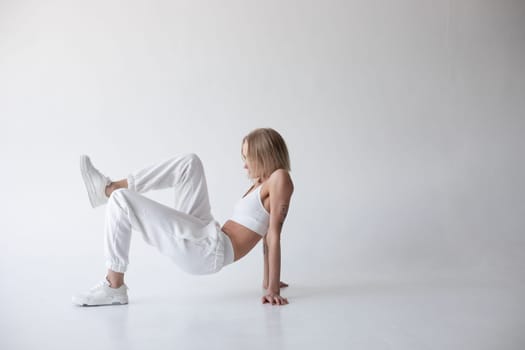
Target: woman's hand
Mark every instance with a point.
(281, 285)
(274, 299)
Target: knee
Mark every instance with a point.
(193, 158)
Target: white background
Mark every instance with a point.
(404, 121)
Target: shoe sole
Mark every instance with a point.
(123, 301)
(88, 182)
(95, 305)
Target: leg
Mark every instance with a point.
(195, 245)
(187, 234)
(184, 173)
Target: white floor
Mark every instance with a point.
(454, 313)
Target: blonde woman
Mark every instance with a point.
(187, 233)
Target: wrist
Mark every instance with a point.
(273, 290)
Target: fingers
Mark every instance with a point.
(274, 300)
(280, 302)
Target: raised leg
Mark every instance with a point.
(183, 173)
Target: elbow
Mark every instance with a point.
(273, 238)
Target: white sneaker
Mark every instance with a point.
(95, 182)
(102, 294)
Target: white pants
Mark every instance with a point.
(187, 233)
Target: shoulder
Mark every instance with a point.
(280, 180)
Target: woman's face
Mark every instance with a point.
(245, 159)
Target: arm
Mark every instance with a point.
(266, 268)
(274, 264)
(281, 190)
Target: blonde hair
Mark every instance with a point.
(267, 150)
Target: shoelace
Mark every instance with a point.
(98, 285)
(101, 284)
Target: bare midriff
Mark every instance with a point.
(243, 239)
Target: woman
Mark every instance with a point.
(188, 233)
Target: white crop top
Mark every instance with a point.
(251, 213)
